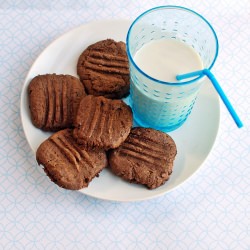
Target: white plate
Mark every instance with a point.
(194, 139)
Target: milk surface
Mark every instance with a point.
(164, 59)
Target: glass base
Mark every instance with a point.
(139, 122)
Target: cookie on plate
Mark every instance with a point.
(146, 157)
(103, 69)
(67, 163)
(101, 122)
(53, 100)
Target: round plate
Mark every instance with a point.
(194, 139)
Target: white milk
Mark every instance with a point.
(158, 105)
(164, 59)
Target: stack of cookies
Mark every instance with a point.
(93, 127)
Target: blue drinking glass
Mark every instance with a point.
(165, 105)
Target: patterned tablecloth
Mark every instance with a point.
(210, 211)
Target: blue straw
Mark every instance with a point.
(219, 90)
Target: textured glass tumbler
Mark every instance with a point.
(164, 105)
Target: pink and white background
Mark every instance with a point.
(210, 211)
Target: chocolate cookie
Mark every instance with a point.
(103, 69)
(68, 164)
(102, 122)
(53, 100)
(146, 157)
